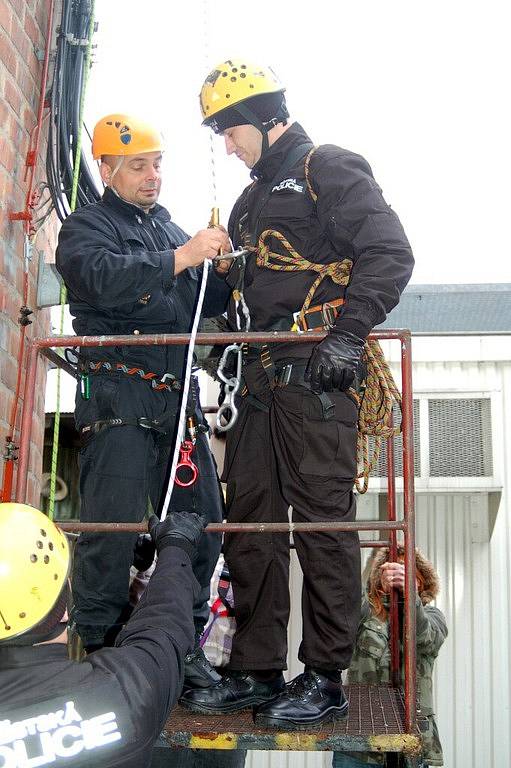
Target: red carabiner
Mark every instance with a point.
(185, 461)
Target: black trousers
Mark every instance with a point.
(121, 470)
(288, 454)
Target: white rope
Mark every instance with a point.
(186, 388)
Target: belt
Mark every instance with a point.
(158, 381)
(317, 318)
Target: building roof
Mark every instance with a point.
(478, 307)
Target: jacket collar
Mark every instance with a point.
(130, 211)
(268, 165)
(32, 655)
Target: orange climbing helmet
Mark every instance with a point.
(123, 135)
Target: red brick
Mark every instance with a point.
(8, 54)
(7, 158)
(18, 7)
(33, 31)
(13, 96)
(5, 16)
(20, 39)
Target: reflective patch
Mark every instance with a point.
(288, 184)
(46, 738)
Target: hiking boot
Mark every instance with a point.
(309, 700)
(235, 691)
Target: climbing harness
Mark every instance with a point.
(227, 414)
(167, 381)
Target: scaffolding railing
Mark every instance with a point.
(45, 347)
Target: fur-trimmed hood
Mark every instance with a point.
(425, 568)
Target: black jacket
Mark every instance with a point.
(109, 709)
(118, 265)
(349, 220)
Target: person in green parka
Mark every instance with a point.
(371, 659)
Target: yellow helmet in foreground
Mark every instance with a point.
(124, 135)
(34, 567)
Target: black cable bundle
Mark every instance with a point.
(64, 127)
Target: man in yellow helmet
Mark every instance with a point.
(109, 709)
(130, 269)
(328, 254)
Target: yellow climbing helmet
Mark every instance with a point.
(34, 567)
(233, 82)
(123, 135)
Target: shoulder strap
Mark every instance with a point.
(307, 174)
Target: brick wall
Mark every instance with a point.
(22, 33)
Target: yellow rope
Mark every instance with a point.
(338, 271)
(375, 406)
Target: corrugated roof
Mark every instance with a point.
(479, 307)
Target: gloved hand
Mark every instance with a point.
(143, 553)
(334, 362)
(179, 529)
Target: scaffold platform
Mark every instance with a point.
(375, 723)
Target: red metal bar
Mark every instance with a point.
(410, 660)
(162, 339)
(26, 421)
(395, 672)
(360, 525)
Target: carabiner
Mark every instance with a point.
(186, 462)
(228, 410)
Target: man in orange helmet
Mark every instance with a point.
(130, 270)
(327, 254)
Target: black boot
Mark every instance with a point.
(199, 672)
(236, 690)
(309, 700)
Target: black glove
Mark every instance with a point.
(334, 362)
(143, 554)
(179, 529)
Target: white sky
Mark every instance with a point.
(421, 89)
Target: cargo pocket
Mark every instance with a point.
(329, 449)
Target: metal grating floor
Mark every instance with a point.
(375, 722)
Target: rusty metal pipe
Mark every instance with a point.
(362, 525)
(409, 633)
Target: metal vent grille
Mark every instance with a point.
(460, 443)
(381, 466)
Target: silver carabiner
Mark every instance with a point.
(227, 413)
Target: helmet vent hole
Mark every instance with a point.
(227, 95)
(33, 558)
(7, 627)
(55, 577)
(43, 532)
(50, 546)
(39, 544)
(233, 79)
(243, 74)
(46, 559)
(224, 74)
(251, 85)
(243, 66)
(23, 615)
(234, 69)
(62, 545)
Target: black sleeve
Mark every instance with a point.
(217, 294)
(149, 655)
(363, 227)
(94, 267)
